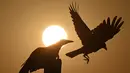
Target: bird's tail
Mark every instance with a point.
(75, 53)
(24, 69)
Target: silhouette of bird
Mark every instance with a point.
(43, 56)
(92, 40)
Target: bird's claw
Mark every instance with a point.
(86, 58)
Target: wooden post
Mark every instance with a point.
(54, 67)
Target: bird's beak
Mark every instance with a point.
(69, 41)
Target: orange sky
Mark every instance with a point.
(23, 21)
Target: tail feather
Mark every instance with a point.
(74, 53)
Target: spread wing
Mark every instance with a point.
(80, 27)
(107, 30)
(33, 57)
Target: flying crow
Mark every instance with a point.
(92, 40)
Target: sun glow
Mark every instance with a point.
(52, 34)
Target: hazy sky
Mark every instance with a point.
(23, 21)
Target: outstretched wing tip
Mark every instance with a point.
(107, 30)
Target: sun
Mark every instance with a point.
(53, 34)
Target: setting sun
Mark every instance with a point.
(52, 34)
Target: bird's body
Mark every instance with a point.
(92, 40)
(92, 45)
(42, 56)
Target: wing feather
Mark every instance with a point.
(80, 27)
(107, 30)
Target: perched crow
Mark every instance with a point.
(92, 40)
(43, 56)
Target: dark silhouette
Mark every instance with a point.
(54, 67)
(44, 57)
(92, 40)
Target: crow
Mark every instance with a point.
(41, 57)
(92, 40)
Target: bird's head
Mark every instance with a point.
(57, 46)
(65, 41)
(60, 43)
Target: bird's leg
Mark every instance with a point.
(86, 58)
